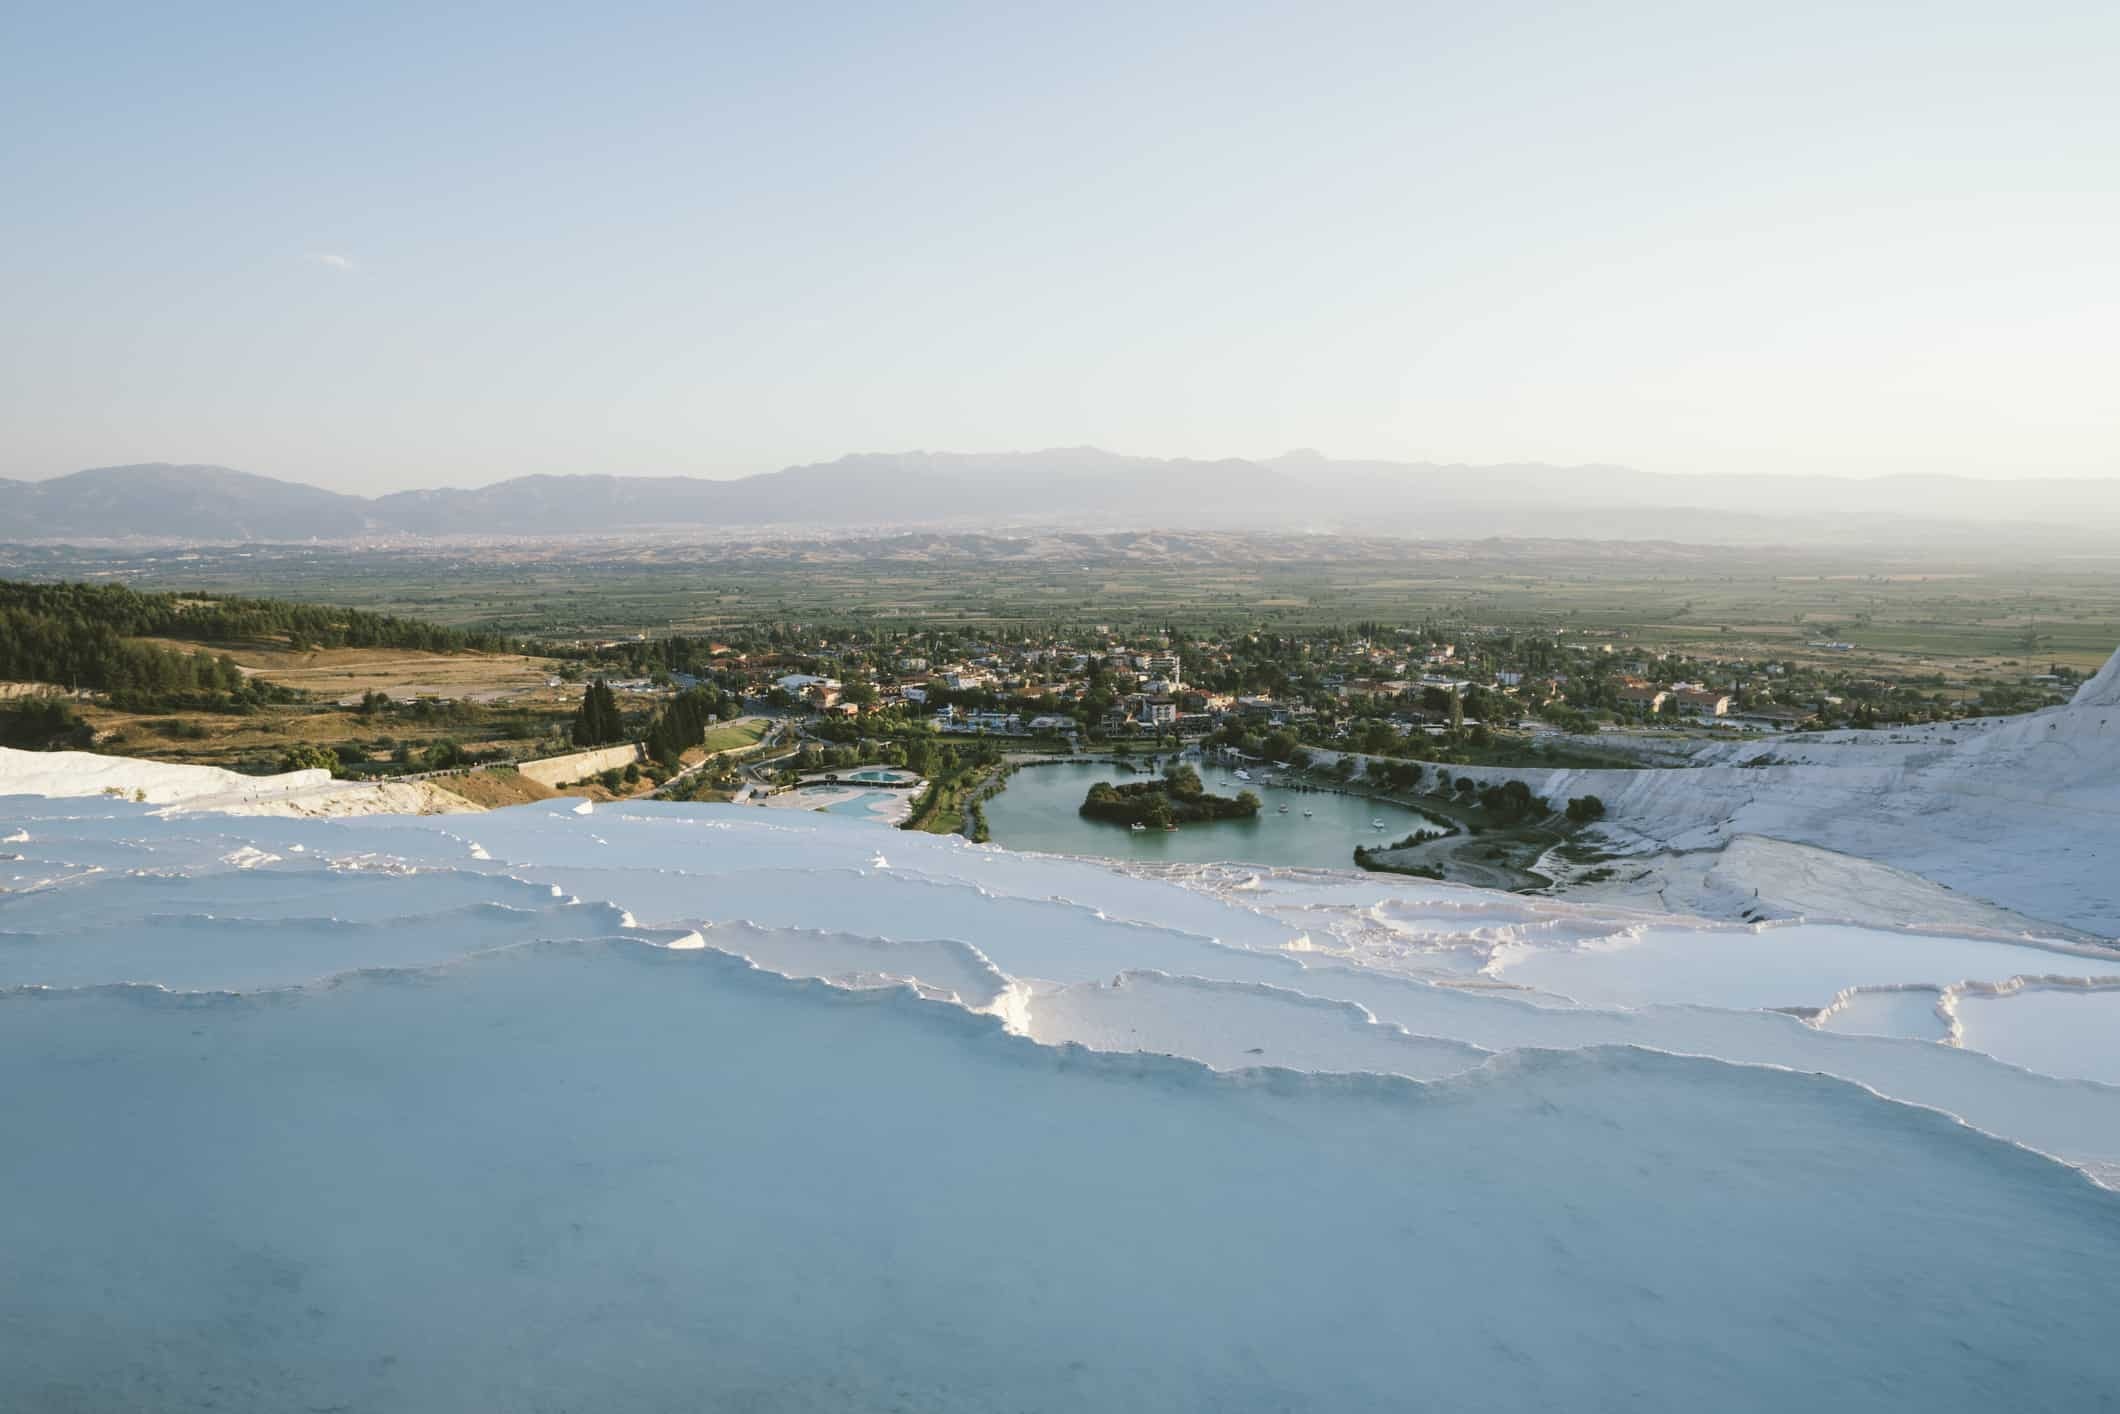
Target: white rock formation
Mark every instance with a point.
(2018, 813)
(684, 1107)
(65, 774)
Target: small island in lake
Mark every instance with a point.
(1176, 798)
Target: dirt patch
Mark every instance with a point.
(493, 789)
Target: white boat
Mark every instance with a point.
(1308, 813)
(1243, 775)
(1137, 825)
(1284, 810)
(1376, 824)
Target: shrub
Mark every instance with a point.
(44, 724)
(309, 757)
(1511, 799)
(445, 755)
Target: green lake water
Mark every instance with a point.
(1037, 810)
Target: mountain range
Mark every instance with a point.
(1085, 488)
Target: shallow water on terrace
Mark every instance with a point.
(1802, 965)
(1038, 810)
(2056, 1031)
(603, 1177)
(1894, 1013)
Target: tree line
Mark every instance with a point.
(72, 652)
(215, 618)
(678, 726)
(682, 723)
(83, 636)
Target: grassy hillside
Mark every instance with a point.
(247, 683)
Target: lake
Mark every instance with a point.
(1037, 811)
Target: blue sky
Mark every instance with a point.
(376, 246)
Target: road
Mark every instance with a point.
(776, 729)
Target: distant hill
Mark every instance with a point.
(1084, 487)
(160, 501)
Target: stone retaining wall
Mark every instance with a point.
(565, 770)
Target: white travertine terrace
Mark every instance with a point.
(660, 1106)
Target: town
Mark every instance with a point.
(1424, 689)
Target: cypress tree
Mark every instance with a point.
(597, 721)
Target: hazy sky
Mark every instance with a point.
(377, 246)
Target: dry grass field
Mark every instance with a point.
(343, 674)
(481, 701)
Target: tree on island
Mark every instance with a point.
(1175, 798)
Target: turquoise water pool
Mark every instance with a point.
(860, 804)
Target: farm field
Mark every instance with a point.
(1902, 612)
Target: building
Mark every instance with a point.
(1702, 702)
(1770, 719)
(1643, 695)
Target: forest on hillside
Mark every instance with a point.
(82, 636)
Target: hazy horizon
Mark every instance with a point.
(395, 248)
(495, 479)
